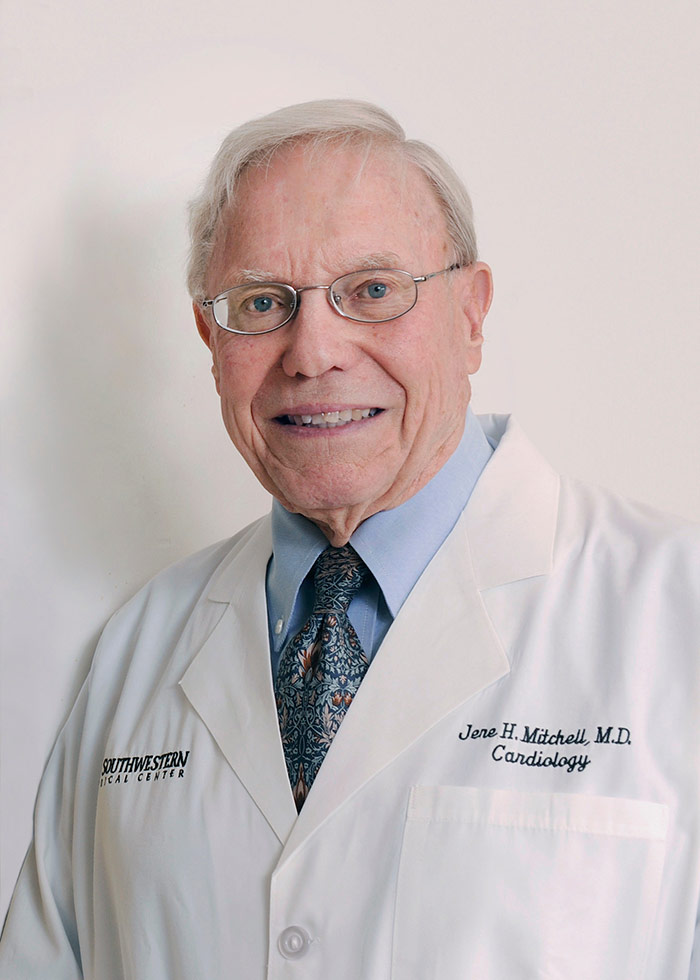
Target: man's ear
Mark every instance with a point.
(482, 288)
(203, 327)
(477, 296)
(204, 330)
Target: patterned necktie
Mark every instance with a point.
(320, 670)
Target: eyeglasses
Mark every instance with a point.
(366, 296)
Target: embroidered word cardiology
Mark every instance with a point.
(144, 768)
(536, 735)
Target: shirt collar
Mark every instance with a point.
(396, 559)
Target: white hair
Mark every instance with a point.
(319, 122)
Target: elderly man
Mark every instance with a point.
(435, 716)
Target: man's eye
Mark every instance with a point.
(373, 290)
(262, 304)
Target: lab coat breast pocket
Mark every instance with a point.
(499, 884)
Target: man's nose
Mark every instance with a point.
(317, 339)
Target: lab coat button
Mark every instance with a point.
(293, 942)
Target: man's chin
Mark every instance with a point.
(337, 515)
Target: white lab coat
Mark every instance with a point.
(513, 794)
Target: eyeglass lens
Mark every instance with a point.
(368, 296)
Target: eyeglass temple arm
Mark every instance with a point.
(450, 268)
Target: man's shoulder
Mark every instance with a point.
(202, 566)
(195, 571)
(609, 529)
(583, 508)
(597, 507)
(165, 603)
(524, 518)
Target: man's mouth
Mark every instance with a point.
(329, 420)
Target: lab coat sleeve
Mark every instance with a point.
(695, 958)
(40, 938)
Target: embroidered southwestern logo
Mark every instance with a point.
(144, 768)
(536, 741)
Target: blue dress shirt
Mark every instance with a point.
(396, 558)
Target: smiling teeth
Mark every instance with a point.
(329, 420)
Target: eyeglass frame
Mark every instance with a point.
(297, 291)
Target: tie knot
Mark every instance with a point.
(338, 575)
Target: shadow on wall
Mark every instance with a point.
(105, 392)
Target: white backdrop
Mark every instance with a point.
(575, 127)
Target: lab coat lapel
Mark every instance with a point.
(442, 649)
(229, 682)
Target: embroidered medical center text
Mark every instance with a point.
(144, 768)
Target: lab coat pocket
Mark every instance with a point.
(499, 885)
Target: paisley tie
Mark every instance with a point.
(320, 669)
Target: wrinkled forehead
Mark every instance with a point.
(339, 199)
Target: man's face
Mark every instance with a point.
(305, 220)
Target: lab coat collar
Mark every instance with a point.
(511, 517)
(506, 533)
(229, 683)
